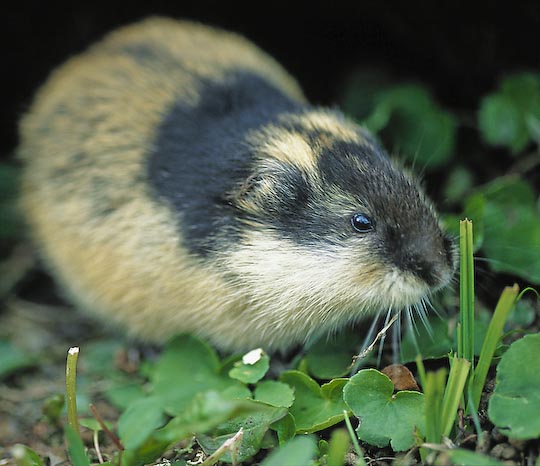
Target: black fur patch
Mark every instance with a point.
(200, 153)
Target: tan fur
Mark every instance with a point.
(288, 147)
(117, 250)
(127, 266)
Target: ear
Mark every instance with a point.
(269, 186)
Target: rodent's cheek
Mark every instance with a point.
(387, 287)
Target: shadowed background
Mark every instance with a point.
(457, 49)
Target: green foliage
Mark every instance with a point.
(139, 420)
(337, 447)
(13, 359)
(274, 393)
(331, 357)
(462, 457)
(254, 424)
(189, 391)
(188, 367)
(25, 456)
(52, 407)
(385, 417)
(515, 402)
(300, 451)
(510, 117)
(251, 372)
(433, 341)
(315, 407)
(75, 446)
(407, 116)
(506, 216)
(491, 339)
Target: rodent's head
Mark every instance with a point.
(333, 226)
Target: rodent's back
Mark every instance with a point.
(85, 142)
(176, 180)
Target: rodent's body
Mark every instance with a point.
(177, 180)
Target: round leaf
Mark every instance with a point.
(274, 393)
(384, 417)
(315, 408)
(516, 396)
(250, 372)
(299, 451)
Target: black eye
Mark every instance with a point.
(362, 223)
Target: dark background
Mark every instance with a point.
(457, 49)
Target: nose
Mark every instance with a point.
(430, 258)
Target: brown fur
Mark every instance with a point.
(130, 265)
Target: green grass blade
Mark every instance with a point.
(434, 393)
(71, 389)
(75, 448)
(459, 371)
(466, 292)
(354, 439)
(504, 306)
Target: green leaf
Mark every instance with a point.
(315, 407)
(331, 357)
(53, 406)
(337, 447)
(93, 424)
(385, 417)
(406, 116)
(123, 395)
(516, 395)
(415, 124)
(500, 122)
(139, 420)
(300, 451)
(204, 413)
(285, 428)
(207, 411)
(247, 372)
(513, 244)
(13, 359)
(75, 448)
(458, 183)
(510, 117)
(361, 91)
(186, 367)
(25, 456)
(274, 393)
(434, 343)
(462, 457)
(507, 218)
(254, 424)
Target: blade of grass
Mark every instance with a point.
(337, 447)
(354, 439)
(459, 371)
(504, 306)
(76, 450)
(434, 393)
(466, 292)
(71, 389)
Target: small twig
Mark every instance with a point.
(380, 335)
(231, 444)
(110, 434)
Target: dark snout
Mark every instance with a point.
(431, 258)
